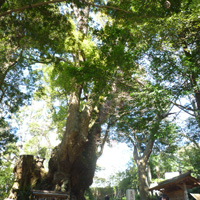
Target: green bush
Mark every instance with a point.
(24, 194)
(6, 179)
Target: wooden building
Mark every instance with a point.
(177, 188)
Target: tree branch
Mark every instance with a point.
(8, 69)
(104, 6)
(29, 6)
(104, 140)
(190, 139)
(148, 149)
(184, 108)
(56, 1)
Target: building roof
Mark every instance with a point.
(177, 182)
(196, 196)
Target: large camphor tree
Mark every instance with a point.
(88, 76)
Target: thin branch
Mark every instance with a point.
(55, 1)
(29, 6)
(130, 138)
(40, 61)
(135, 154)
(189, 138)
(2, 95)
(104, 6)
(134, 134)
(8, 69)
(176, 115)
(184, 108)
(104, 140)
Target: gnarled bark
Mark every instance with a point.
(28, 171)
(73, 162)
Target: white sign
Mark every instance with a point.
(130, 194)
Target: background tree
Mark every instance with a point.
(188, 158)
(25, 38)
(164, 160)
(8, 156)
(142, 124)
(128, 179)
(37, 133)
(174, 58)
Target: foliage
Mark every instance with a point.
(26, 38)
(6, 179)
(128, 179)
(7, 138)
(89, 195)
(104, 66)
(163, 162)
(189, 159)
(102, 192)
(8, 157)
(37, 131)
(24, 194)
(173, 56)
(189, 130)
(143, 117)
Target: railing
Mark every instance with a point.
(48, 195)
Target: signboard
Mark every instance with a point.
(130, 194)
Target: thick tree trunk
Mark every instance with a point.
(73, 165)
(141, 161)
(143, 186)
(73, 162)
(28, 171)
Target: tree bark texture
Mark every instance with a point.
(28, 171)
(73, 162)
(141, 161)
(143, 187)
